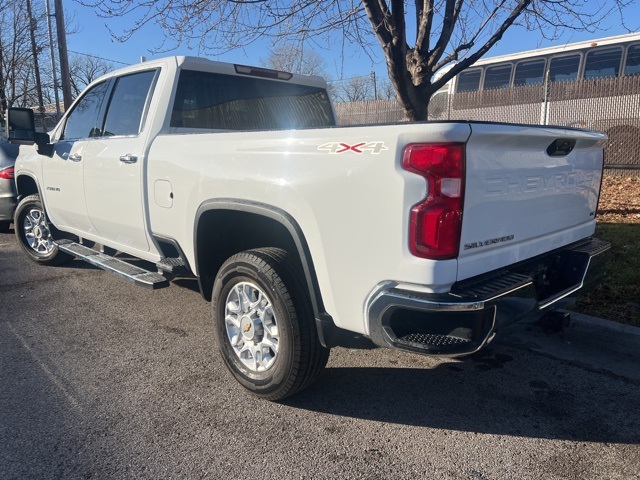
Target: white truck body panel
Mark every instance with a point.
(353, 207)
(527, 203)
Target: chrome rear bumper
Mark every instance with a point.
(465, 319)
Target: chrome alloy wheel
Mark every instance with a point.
(251, 326)
(36, 232)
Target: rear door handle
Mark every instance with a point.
(128, 158)
(74, 157)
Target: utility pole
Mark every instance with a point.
(34, 50)
(3, 98)
(53, 60)
(375, 85)
(62, 51)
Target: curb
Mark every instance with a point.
(592, 343)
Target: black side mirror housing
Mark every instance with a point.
(21, 127)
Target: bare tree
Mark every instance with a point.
(452, 33)
(293, 57)
(18, 50)
(354, 89)
(386, 90)
(85, 69)
(296, 58)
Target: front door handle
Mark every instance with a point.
(128, 158)
(74, 157)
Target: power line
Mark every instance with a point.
(346, 79)
(98, 57)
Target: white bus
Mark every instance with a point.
(591, 84)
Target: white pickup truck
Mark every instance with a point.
(303, 235)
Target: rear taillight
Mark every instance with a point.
(7, 173)
(436, 221)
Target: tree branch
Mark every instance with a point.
(448, 24)
(424, 22)
(470, 60)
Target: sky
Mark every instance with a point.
(93, 37)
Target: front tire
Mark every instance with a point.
(34, 233)
(264, 324)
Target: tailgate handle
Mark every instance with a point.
(561, 147)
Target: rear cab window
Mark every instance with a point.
(216, 101)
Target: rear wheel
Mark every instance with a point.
(35, 234)
(264, 324)
(4, 227)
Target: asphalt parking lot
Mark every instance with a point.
(101, 379)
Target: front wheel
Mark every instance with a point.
(34, 233)
(264, 324)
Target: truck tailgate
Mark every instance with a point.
(528, 190)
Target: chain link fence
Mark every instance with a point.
(609, 105)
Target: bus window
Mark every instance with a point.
(469, 81)
(603, 63)
(497, 77)
(530, 72)
(633, 60)
(564, 69)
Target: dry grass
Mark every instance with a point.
(617, 298)
(619, 200)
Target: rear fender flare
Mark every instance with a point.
(323, 319)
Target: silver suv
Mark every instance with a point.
(8, 154)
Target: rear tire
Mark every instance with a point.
(264, 324)
(4, 227)
(34, 233)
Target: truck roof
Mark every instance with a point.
(204, 64)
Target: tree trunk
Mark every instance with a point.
(3, 98)
(414, 99)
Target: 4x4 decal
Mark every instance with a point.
(363, 147)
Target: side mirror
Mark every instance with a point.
(21, 126)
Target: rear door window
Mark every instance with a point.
(127, 104)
